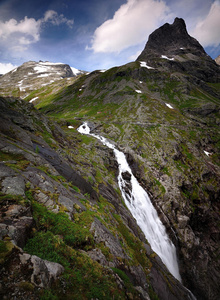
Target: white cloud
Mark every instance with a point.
(207, 30)
(6, 67)
(130, 25)
(53, 17)
(28, 27)
(19, 34)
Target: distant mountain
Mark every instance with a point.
(34, 75)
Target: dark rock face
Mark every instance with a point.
(169, 40)
(171, 47)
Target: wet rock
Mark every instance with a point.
(126, 176)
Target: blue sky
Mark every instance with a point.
(96, 34)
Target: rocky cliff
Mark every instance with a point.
(59, 189)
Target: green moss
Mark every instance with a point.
(73, 234)
(83, 278)
(13, 199)
(26, 286)
(162, 188)
(3, 247)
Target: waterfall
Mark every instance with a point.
(140, 206)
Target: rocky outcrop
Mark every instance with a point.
(23, 275)
(171, 40)
(172, 48)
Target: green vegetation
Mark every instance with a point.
(57, 239)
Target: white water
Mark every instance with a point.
(142, 209)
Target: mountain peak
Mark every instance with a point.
(171, 39)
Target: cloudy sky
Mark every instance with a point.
(96, 34)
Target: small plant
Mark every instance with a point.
(37, 149)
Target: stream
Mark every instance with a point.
(140, 206)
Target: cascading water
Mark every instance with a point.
(140, 206)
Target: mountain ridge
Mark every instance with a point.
(33, 75)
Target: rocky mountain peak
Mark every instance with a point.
(169, 40)
(33, 75)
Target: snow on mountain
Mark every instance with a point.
(34, 75)
(75, 71)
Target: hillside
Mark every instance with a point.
(163, 112)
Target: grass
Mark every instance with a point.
(73, 234)
(58, 239)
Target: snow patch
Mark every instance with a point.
(47, 63)
(207, 153)
(20, 82)
(168, 105)
(165, 57)
(75, 71)
(144, 65)
(32, 100)
(41, 69)
(44, 75)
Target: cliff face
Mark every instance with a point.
(163, 111)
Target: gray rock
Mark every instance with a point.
(182, 221)
(6, 171)
(97, 255)
(143, 293)
(44, 272)
(18, 230)
(102, 234)
(13, 186)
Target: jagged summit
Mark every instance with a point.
(170, 47)
(171, 39)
